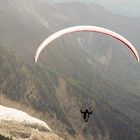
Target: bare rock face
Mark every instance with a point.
(18, 125)
(18, 133)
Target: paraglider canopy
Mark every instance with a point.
(84, 28)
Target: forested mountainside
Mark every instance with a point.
(75, 68)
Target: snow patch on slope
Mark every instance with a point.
(11, 114)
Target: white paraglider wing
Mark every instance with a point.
(87, 29)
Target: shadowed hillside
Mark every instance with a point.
(70, 71)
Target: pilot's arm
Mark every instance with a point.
(81, 110)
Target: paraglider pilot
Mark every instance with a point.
(86, 113)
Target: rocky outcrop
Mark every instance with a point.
(18, 125)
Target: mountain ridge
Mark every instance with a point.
(35, 86)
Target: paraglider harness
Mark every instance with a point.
(86, 113)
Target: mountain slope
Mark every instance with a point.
(77, 65)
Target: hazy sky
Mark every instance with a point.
(125, 7)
